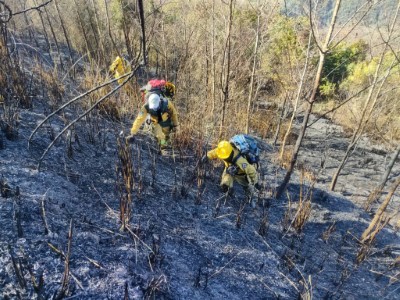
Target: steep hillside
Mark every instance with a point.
(180, 245)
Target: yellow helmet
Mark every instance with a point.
(170, 89)
(224, 149)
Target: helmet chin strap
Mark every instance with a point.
(230, 157)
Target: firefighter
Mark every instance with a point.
(237, 168)
(120, 67)
(163, 118)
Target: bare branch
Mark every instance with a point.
(130, 75)
(386, 43)
(32, 8)
(351, 18)
(344, 102)
(78, 98)
(312, 29)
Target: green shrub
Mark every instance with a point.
(339, 64)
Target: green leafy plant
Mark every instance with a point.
(339, 64)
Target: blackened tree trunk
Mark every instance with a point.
(311, 101)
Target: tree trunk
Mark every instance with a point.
(213, 61)
(253, 71)
(44, 30)
(88, 49)
(99, 34)
(64, 31)
(90, 19)
(126, 29)
(296, 104)
(28, 25)
(282, 115)
(311, 101)
(225, 84)
(375, 194)
(379, 214)
(54, 37)
(142, 25)
(109, 29)
(165, 52)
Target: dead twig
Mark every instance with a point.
(56, 250)
(32, 8)
(224, 266)
(65, 280)
(81, 116)
(95, 263)
(136, 237)
(43, 214)
(72, 101)
(17, 215)
(17, 269)
(218, 205)
(154, 286)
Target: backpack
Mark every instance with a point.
(160, 87)
(247, 147)
(162, 109)
(156, 86)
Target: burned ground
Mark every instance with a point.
(180, 245)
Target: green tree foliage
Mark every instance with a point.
(287, 41)
(361, 72)
(339, 63)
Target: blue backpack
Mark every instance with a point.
(247, 147)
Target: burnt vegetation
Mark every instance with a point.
(86, 215)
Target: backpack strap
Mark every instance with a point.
(235, 159)
(164, 105)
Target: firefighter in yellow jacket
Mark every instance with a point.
(237, 168)
(120, 67)
(163, 117)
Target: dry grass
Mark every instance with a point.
(155, 287)
(380, 220)
(296, 217)
(124, 171)
(264, 123)
(13, 94)
(284, 161)
(51, 85)
(117, 106)
(328, 232)
(307, 293)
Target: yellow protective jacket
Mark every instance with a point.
(120, 67)
(168, 116)
(244, 167)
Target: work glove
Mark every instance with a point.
(130, 139)
(232, 170)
